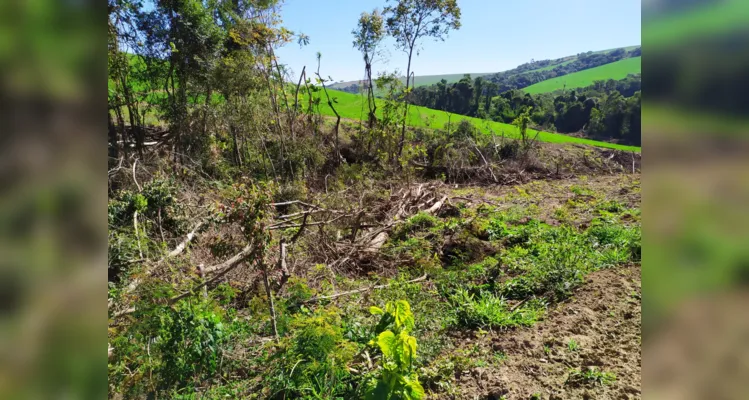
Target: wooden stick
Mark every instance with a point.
(268, 292)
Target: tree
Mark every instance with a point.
(478, 91)
(367, 36)
(410, 20)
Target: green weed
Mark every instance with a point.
(487, 310)
(590, 376)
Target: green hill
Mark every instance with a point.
(421, 80)
(425, 80)
(352, 106)
(616, 70)
(711, 19)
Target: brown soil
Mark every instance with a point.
(603, 317)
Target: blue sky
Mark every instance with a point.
(496, 35)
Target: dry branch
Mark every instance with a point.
(248, 252)
(177, 250)
(366, 289)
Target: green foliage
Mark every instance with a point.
(370, 31)
(417, 223)
(409, 20)
(487, 310)
(158, 198)
(555, 259)
(398, 379)
(311, 362)
(465, 130)
(247, 207)
(170, 348)
(418, 250)
(590, 376)
(158, 211)
(521, 122)
(191, 342)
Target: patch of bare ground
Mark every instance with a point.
(570, 200)
(598, 327)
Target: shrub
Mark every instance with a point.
(170, 348)
(398, 379)
(465, 130)
(311, 362)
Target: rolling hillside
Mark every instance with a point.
(351, 106)
(707, 20)
(420, 80)
(425, 80)
(616, 70)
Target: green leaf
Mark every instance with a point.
(376, 310)
(379, 392)
(405, 349)
(386, 342)
(412, 388)
(404, 319)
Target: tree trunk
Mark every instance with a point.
(405, 99)
(114, 147)
(371, 98)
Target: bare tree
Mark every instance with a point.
(410, 20)
(367, 36)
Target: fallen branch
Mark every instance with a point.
(285, 275)
(181, 247)
(113, 171)
(366, 289)
(281, 225)
(177, 250)
(288, 203)
(137, 235)
(232, 262)
(434, 208)
(228, 265)
(135, 180)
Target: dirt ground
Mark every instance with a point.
(603, 318)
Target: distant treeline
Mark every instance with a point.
(533, 72)
(605, 110)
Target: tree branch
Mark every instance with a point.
(366, 289)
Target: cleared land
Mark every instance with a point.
(616, 70)
(353, 106)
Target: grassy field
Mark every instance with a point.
(351, 106)
(708, 20)
(616, 70)
(627, 48)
